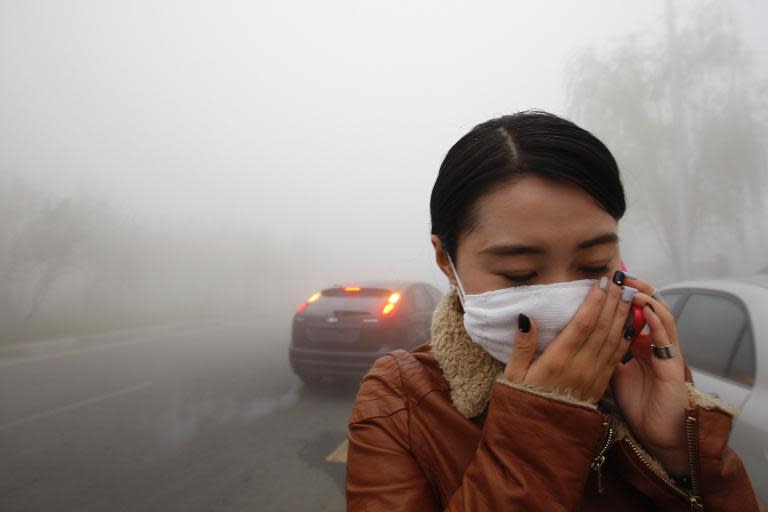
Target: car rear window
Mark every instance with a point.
(362, 293)
(366, 300)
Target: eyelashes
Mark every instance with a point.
(590, 271)
(519, 279)
(595, 270)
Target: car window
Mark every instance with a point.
(673, 299)
(708, 328)
(337, 300)
(742, 368)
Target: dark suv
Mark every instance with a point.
(341, 330)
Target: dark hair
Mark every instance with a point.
(503, 149)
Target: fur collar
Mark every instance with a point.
(468, 368)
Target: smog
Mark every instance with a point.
(178, 179)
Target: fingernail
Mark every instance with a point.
(627, 292)
(618, 277)
(627, 357)
(629, 333)
(604, 283)
(523, 323)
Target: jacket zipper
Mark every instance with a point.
(691, 431)
(597, 462)
(692, 498)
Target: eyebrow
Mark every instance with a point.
(607, 238)
(513, 249)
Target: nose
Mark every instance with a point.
(561, 277)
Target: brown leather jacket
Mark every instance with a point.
(440, 428)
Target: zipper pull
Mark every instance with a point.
(695, 505)
(597, 462)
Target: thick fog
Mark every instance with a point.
(178, 177)
(167, 162)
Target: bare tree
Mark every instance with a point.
(77, 265)
(687, 120)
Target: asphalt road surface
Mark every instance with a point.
(187, 419)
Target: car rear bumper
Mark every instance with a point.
(332, 363)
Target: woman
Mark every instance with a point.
(527, 396)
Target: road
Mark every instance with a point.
(186, 418)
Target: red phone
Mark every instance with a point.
(637, 319)
(636, 312)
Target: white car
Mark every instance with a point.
(723, 331)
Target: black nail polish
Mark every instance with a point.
(618, 277)
(523, 323)
(627, 357)
(629, 333)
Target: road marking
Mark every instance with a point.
(75, 405)
(339, 454)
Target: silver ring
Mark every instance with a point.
(667, 352)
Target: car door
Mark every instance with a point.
(715, 334)
(733, 380)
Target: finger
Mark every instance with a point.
(618, 341)
(645, 287)
(641, 284)
(522, 350)
(660, 338)
(663, 313)
(583, 322)
(641, 348)
(622, 330)
(596, 341)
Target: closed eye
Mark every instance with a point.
(524, 278)
(595, 270)
(520, 278)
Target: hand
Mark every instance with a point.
(651, 392)
(581, 360)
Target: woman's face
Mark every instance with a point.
(534, 231)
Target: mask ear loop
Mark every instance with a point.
(458, 281)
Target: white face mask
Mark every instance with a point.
(491, 318)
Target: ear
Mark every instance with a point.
(441, 258)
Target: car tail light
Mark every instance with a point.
(310, 300)
(389, 307)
